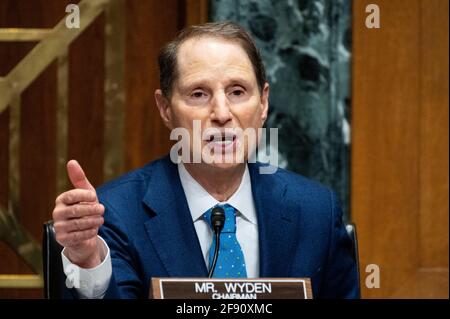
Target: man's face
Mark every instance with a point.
(216, 85)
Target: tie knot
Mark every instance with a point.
(230, 218)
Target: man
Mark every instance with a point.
(155, 221)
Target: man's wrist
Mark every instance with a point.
(90, 283)
(86, 262)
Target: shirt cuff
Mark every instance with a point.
(90, 283)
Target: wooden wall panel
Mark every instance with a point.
(38, 152)
(197, 11)
(9, 55)
(86, 100)
(434, 135)
(37, 148)
(397, 198)
(384, 159)
(150, 24)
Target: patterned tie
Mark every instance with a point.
(230, 262)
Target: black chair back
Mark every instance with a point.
(351, 231)
(54, 278)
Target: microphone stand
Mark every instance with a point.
(217, 221)
(216, 254)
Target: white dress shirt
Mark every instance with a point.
(94, 282)
(199, 201)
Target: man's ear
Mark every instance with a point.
(264, 103)
(164, 108)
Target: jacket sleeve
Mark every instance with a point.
(125, 281)
(341, 277)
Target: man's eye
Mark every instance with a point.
(198, 94)
(238, 93)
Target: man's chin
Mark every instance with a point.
(220, 164)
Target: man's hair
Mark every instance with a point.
(167, 58)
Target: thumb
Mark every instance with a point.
(77, 176)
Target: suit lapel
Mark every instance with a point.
(275, 224)
(171, 229)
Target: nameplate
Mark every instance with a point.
(204, 288)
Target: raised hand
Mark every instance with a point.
(77, 217)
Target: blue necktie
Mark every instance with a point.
(230, 262)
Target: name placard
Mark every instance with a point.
(204, 288)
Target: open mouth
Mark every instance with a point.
(221, 139)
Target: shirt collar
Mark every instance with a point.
(199, 200)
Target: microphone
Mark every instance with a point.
(217, 222)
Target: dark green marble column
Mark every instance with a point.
(306, 49)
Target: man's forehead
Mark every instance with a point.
(209, 43)
(200, 55)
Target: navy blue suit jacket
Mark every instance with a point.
(150, 233)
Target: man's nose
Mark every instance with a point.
(220, 109)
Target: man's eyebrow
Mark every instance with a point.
(202, 82)
(195, 83)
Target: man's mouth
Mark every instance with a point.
(222, 139)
